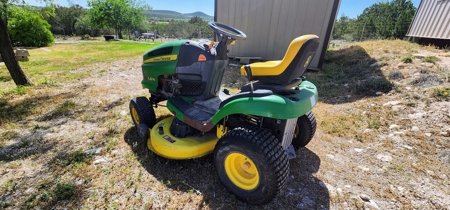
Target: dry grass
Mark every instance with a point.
(45, 131)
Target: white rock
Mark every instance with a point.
(30, 190)
(415, 129)
(348, 186)
(123, 75)
(429, 65)
(384, 157)
(47, 135)
(407, 147)
(330, 156)
(374, 64)
(367, 130)
(392, 103)
(123, 113)
(431, 173)
(364, 197)
(418, 56)
(358, 150)
(79, 182)
(394, 126)
(373, 204)
(100, 160)
(443, 176)
(379, 93)
(346, 85)
(416, 115)
(398, 108)
(428, 134)
(348, 96)
(408, 88)
(364, 168)
(399, 133)
(444, 133)
(339, 190)
(93, 151)
(89, 141)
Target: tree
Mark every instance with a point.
(65, 18)
(6, 49)
(387, 19)
(117, 14)
(28, 29)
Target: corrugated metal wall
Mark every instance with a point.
(432, 20)
(271, 25)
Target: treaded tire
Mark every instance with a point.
(144, 112)
(306, 128)
(265, 151)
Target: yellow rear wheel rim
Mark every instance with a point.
(135, 115)
(242, 171)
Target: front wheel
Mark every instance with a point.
(142, 112)
(251, 164)
(304, 130)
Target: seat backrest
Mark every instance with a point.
(296, 60)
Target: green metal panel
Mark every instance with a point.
(152, 70)
(273, 106)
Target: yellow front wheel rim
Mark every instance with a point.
(242, 171)
(135, 115)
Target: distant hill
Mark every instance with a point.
(168, 14)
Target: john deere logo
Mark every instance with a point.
(161, 59)
(307, 61)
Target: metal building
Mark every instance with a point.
(431, 22)
(271, 25)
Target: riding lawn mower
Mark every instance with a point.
(252, 133)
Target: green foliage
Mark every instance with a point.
(374, 85)
(345, 28)
(407, 59)
(64, 19)
(118, 14)
(386, 19)
(443, 93)
(430, 59)
(65, 191)
(28, 29)
(196, 27)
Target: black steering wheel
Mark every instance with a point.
(226, 30)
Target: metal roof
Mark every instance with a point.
(431, 20)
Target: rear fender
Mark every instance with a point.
(288, 106)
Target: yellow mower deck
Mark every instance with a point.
(171, 147)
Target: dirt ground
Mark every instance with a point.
(403, 162)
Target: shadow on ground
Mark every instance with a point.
(348, 75)
(303, 191)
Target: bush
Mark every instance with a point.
(430, 59)
(28, 29)
(85, 37)
(370, 87)
(407, 60)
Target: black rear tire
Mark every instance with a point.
(305, 130)
(255, 155)
(142, 112)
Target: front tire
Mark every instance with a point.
(142, 112)
(251, 164)
(304, 131)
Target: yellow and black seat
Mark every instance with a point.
(293, 65)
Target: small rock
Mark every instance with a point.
(79, 182)
(358, 150)
(93, 151)
(339, 190)
(364, 168)
(443, 176)
(105, 109)
(415, 129)
(348, 96)
(407, 147)
(374, 64)
(123, 75)
(30, 190)
(444, 133)
(373, 204)
(47, 135)
(431, 173)
(330, 156)
(408, 88)
(398, 108)
(367, 130)
(379, 93)
(399, 133)
(393, 126)
(365, 197)
(100, 160)
(428, 65)
(418, 56)
(384, 157)
(392, 103)
(428, 134)
(123, 113)
(416, 115)
(89, 141)
(346, 85)
(348, 186)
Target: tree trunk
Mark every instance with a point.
(7, 53)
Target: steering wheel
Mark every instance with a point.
(226, 30)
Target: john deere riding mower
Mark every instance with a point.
(252, 133)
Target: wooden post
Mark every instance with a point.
(362, 33)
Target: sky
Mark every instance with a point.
(351, 8)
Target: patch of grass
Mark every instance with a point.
(64, 109)
(427, 79)
(373, 86)
(17, 90)
(442, 93)
(430, 59)
(407, 59)
(8, 135)
(65, 191)
(396, 75)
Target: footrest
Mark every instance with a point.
(193, 115)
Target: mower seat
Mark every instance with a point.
(293, 65)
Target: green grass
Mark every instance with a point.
(64, 58)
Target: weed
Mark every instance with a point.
(396, 75)
(78, 157)
(23, 144)
(8, 135)
(443, 93)
(427, 79)
(424, 70)
(374, 124)
(372, 86)
(18, 90)
(65, 191)
(407, 59)
(430, 59)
